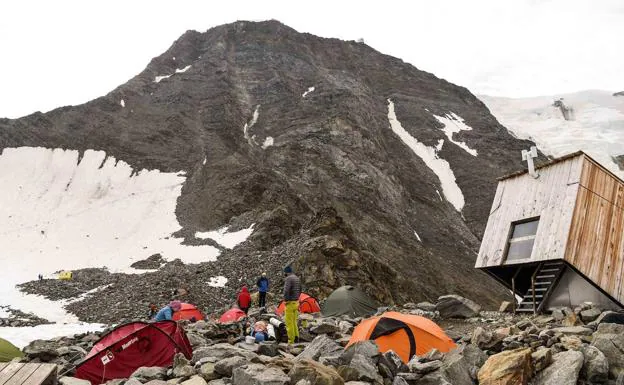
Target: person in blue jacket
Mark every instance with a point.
(166, 313)
(263, 287)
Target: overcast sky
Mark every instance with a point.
(60, 52)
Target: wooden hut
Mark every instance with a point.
(555, 237)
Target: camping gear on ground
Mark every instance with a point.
(128, 347)
(249, 340)
(65, 275)
(406, 334)
(232, 315)
(307, 304)
(349, 300)
(188, 312)
(8, 351)
(279, 329)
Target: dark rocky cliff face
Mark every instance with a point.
(338, 192)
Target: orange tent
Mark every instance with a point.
(406, 334)
(307, 304)
(189, 312)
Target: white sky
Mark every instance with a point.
(61, 52)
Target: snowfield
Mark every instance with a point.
(451, 190)
(60, 211)
(598, 128)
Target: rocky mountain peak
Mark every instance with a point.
(345, 160)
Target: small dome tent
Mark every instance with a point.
(188, 312)
(406, 334)
(348, 300)
(232, 315)
(130, 346)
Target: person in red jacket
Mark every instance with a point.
(244, 299)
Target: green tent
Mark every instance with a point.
(8, 351)
(349, 300)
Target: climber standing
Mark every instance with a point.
(292, 290)
(263, 287)
(244, 299)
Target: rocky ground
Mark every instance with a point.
(567, 347)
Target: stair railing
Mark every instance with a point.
(539, 267)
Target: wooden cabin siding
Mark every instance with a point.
(596, 243)
(551, 197)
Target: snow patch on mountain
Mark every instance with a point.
(61, 211)
(429, 155)
(597, 128)
(226, 239)
(122, 102)
(157, 79)
(452, 125)
(182, 70)
(22, 336)
(250, 124)
(218, 281)
(268, 142)
(310, 89)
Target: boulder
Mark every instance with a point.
(595, 365)
(325, 328)
(366, 348)
(431, 355)
(393, 362)
(455, 306)
(220, 381)
(195, 380)
(266, 348)
(225, 366)
(435, 378)
(148, 373)
(610, 317)
(345, 327)
(257, 374)
(44, 351)
(487, 340)
(426, 306)
(320, 346)
(360, 368)
(590, 315)
(221, 351)
(574, 330)
(156, 382)
(541, 358)
(508, 367)
(609, 339)
(456, 368)
(314, 373)
(183, 371)
(397, 381)
(474, 357)
(571, 342)
(564, 369)
(423, 368)
(207, 371)
(73, 381)
(134, 381)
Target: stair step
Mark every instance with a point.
(548, 270)
(545, 276)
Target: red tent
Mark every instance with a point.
(232, 315)
(188, 311)
(128, 347)
(307, 304)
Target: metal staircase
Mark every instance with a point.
(543, 280)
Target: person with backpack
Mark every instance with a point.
(263, 287)
(244, 299)
(166, 313)
(292, 291)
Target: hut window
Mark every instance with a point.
(522, 239)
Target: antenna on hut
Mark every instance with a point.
(528, 156)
